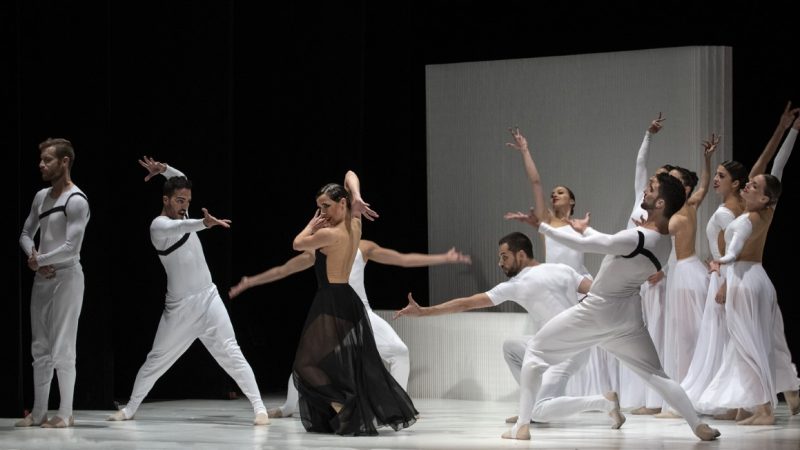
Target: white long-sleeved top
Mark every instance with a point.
(186, 267)
(736, 235)
(640, 181)
(61, 231)
(618, 276)
(718, 222)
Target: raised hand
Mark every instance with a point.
(638, 222)
(454, 256)
(318, 221)
(789, 115)
(710, 146)
(359, 206)
(520, 143)
(412, 309)
(580, 225)
(153, 167)
(211, 221)
(530, 218)
(655, 125)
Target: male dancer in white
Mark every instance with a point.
(193, 308)
(633, 392)
(392, 349)
(544, 290)
(687, 285)
(610, 315)
(62, 213)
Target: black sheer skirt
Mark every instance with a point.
(337, 363)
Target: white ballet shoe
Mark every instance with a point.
(520, 432)
(261, 419)
(118, 416)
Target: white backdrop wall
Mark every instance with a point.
(585, 117)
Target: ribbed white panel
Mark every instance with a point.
(460, 356)
(584, 117)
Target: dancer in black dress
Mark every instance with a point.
(343, 384)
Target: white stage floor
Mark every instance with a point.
(443, 424)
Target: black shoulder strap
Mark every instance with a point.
(174, 246)
(640, 250)
(63, 208)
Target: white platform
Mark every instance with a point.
(443, 424)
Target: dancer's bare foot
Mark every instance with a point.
(337, 406)
(793, 400)
(29, 421)
(742, 414)
(512, 419)
(727, 415)
(118, 416)
(277, 413)
(706, 433)
(261, 419)
(616, 415)
(520, 432)
(58, 422)
(646, 411)
(668, 414)
(762, 416)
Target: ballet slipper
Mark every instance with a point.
(29, 421)
(706, 433)
(58, 422)
(616, 415)
(645, 411)
(793, 400)
(261, 419)
(118, 416)
(520, 432)
(276, 413)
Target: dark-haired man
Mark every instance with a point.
(611, 314)
(193, 309)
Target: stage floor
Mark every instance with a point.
(443, 424)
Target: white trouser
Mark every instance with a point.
(55, 309)
(393, 352)
(614, 324)
(198, 316)
(552, 404)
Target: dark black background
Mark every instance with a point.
(260, 104)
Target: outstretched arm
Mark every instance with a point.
(375, 252)
(785, 151)
(296, 264)
(521, 145)
(709, 147)
(786, 120)
(641, 176)
(453, 306)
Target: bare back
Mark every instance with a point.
(754, 247)
(683, 225)
(340, 254)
